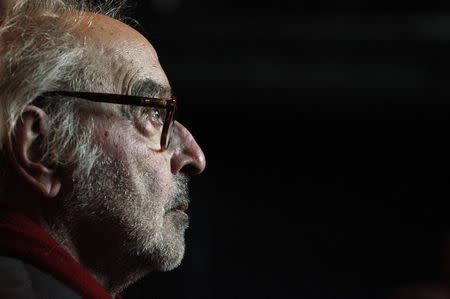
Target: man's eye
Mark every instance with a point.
(155, 117)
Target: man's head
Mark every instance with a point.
(93, 173)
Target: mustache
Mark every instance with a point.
(180, 193)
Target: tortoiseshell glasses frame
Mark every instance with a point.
(168, 104)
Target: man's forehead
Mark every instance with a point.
(106, 30)
(103, 28)
(130, 49)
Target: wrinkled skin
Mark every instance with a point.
(127, 218)
(131, 202)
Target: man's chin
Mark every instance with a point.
(170, 266)
(165, 256)
(165, 261)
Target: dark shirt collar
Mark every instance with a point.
(24, 239)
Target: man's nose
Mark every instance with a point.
(187, 155)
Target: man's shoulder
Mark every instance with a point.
(19, 279)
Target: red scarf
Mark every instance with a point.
(20, 237)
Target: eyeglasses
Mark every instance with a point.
(161, 113)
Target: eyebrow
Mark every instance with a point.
(150, 88)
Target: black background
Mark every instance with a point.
(325, 128)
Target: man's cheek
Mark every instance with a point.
(115, 139)
(153, 175)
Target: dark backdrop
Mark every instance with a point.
(325, 129)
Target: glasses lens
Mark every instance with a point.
(169, 125)
(160, 123)
(167, 137)
(153, 119)
(158, 117)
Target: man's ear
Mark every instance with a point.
(25, 152)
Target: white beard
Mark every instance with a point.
(126, 214)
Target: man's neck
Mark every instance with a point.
(109, 267)
(112, 268)
(28, 240)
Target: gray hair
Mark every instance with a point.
(39, 52)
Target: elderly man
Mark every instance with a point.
(94, 166)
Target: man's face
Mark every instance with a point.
(131, 202)
(134, 199)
